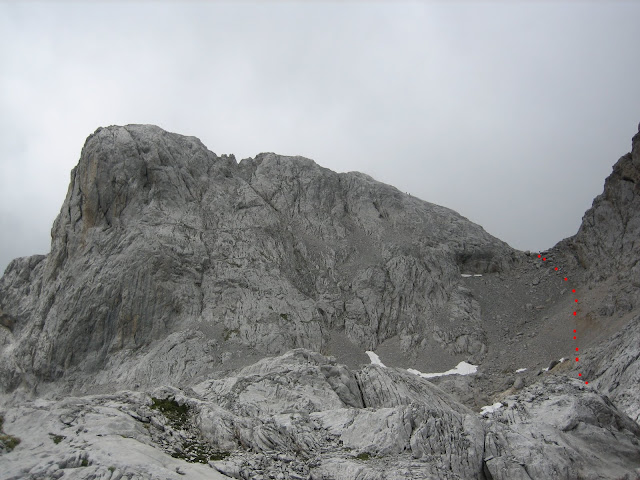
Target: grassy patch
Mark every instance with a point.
(219, 456)
(85, 462)
(9, 442)
(228, 332)
(177, 414)
(285, 316)
(197, 452)
(363, 456)
(192, 450)
(57, 438)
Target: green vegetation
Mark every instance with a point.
(219, 456)
(9, 442)
(190, 450)
(56, 438)
(112, 469)
(177, 414)
(85, 462)
(227, 333)
(196, 452)
(363, 456)
(285, 316)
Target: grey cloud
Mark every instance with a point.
(510, 113)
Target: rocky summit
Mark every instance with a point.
(199, 317)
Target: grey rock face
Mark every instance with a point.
(92, 438)
(167, 260)
(615, 366)
(606, 247)
(303, 416)
(560, 428)
(606, 241)
(175, 271)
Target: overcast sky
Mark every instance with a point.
(511, 113)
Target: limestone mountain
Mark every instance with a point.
(211, 320)
(168, 262)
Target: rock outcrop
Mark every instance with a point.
(561, 428)
(232, 303)
(606, 243)
(303, 416)
(169, 262)
(615, 368)
(607, 247)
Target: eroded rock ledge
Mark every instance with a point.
(303, 416)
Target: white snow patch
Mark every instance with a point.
(477, 275)
(375, 359)
(520, 370)
(545, 369)
(490, 409)
(466, 275)
(463, 368)
(562, 360)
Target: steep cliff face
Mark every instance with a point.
(168, 261)
(607, 246)
(607, 242)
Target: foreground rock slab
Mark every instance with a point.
(301, 415)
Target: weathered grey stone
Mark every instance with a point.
(606, 241)
(268, 421)
(560, 428)
(615, 368)
(163, 249)
(606, 247)
(518, 384)
(176, 271)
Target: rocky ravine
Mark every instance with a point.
(173, 266)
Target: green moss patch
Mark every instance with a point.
(191, 450)
(177, 415)
(199, 452)
(7, 442)
(56, 438)
(228, 333)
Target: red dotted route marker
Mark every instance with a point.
(575, 313)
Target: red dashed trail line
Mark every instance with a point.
(574, 342)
